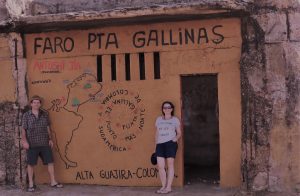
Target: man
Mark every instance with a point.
(36, 139)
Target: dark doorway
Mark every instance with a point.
(201, 128)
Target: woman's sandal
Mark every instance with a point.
(159, 191)
(58, 185)
(165, 191)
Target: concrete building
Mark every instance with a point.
(104, 67)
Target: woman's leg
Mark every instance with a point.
(162, 172)
(170, 162)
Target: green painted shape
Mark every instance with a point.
(87, 85)
(75, 101)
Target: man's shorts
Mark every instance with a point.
(44, 152)
(167, 149)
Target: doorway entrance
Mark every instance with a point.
(201, 128)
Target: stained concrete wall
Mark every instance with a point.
(40, 7)
(12, 167)
(271, 99)
(9, 145)
(7, 83)
(269, 75)
(10, 157)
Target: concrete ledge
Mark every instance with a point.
(82, 20)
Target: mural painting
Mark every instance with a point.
(97, 126)
(103, 89)
(69, 109)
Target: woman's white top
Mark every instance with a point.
(166, 129)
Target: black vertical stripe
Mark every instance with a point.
(113, 67)
(142, 66)
(127, 66)
(156, 65)
(99, 68)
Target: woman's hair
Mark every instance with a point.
(171, 104)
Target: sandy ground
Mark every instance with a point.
(197, 189)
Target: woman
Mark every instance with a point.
(167, 134)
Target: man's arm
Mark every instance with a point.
(24, 141)
(50, 136)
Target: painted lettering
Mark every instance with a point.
(163, 39)
(125, 174)
(111, 40)
(36, 44)
(107, 142)
(221, 37)
(53, 45)
(47, 45)
(116, 174)
(84, 175)
(202, 36)
(117, 130)
(124, 102)
(130, 137)
(112, 133)
(113, 94)
(139, 41)
(137, 98)
(153, 37)
(142, 119)
(58, 43)
(129, 125)
(146, 172)
(41, 81)
(108, 110)
(171, 38)
(56, 66)
(187, 36)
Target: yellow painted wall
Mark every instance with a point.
(7, 83)
(105, 131)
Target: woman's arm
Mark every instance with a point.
(178, 134)
(156, 135)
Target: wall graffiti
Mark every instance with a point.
(56, 66)
(121, 115)
(121, 174)
(69, 109)
(118, 174)
(181, 36)
(176, 37)
(103, 127)
(129, 174)
(41, 81)
(56, 44)
(123, 119)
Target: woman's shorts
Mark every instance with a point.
(167, 149)
(44, 152)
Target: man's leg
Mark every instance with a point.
(47, 158)
(54, 183)
(32, 156)
(30, 175)
(51, 174)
